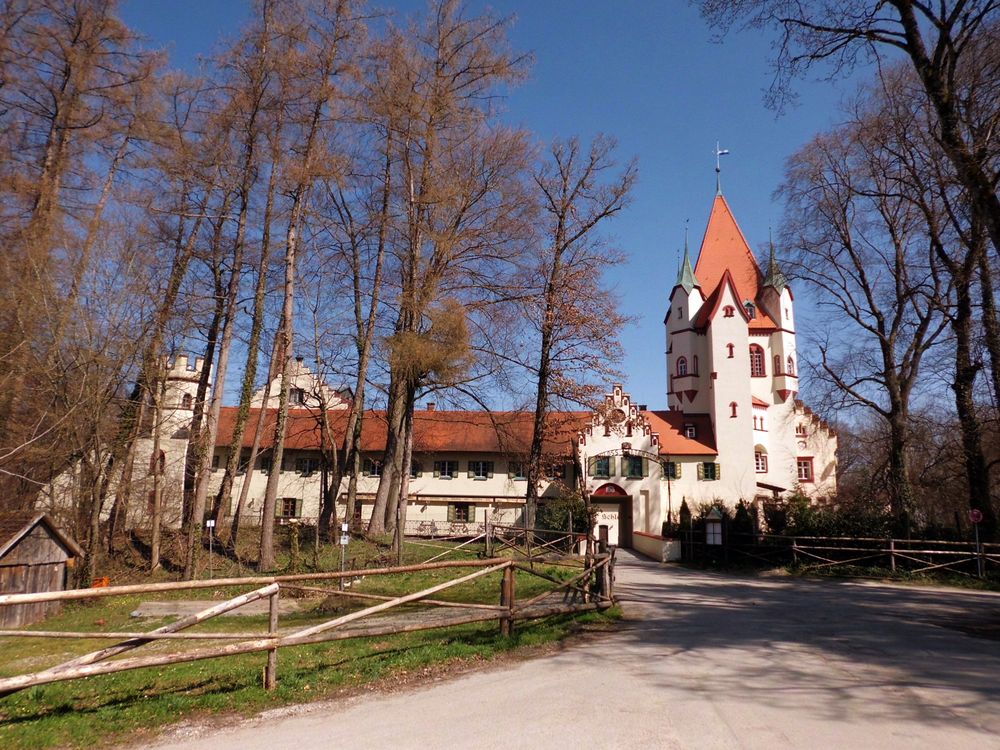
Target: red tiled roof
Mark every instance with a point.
(724, 248)
(760, 402)
(433, 431)
(670, 426)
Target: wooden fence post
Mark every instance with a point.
(507, 600)
(892, 555)
(489, 534)
(795, 552)
(271, 671)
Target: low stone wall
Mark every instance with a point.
(657, 547)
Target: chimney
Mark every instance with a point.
(431, 406)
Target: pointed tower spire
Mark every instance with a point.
(685, 274)
(774, 278)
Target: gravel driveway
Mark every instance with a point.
(702, 661)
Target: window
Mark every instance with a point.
(158, 464)
(680, 313)
(713, 532)
(244, 461)
(777, 364)
(216, 461)
(732, 350)
(672, 470)
(601, 467)
(446, 469)
(751, 309)
(633, 467)
(690, 431)
(757, 368)
(289, 507)
(186, 401)
(708, 471)
(694, 365)
(265, 464)
(805, 469)
(790, 367)
(480, 469)
(461, 512)
(682, 366)
(760, 462)
(728, 311)
(758, 423)
(371, 467)
(732, 409)
(296, 396)
(306, 466)
(800, 430)
(416, 469)
(517, 470)
(555, 471)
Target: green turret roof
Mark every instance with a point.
(685, 274)
(775, 278)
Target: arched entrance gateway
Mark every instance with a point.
(614, 510)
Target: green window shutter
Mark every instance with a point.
(701, 471)
(437, 468)
(489, 469)
(645, 467)
(718, 471)
(451, 512)
(298, 508)
(611, 466)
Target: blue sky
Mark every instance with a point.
(647, 73)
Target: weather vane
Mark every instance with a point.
(719, 153)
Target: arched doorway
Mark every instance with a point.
(614, 510)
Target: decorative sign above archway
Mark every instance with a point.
(610, 489)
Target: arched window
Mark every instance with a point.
(158, 464)
(777, 364)
(728, 311)
(732, 409)
(694, 365)
(732, 350)
(751, 309)
(186, 401)
(790, 369)
(682, 366)
(757, 367)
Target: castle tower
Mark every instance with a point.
(180, 391)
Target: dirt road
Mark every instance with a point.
(703, 661)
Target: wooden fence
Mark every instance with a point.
(591, 589)
(817, 553)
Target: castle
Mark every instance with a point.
(733, 430)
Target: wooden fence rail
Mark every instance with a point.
(591, 589)
(912, 555)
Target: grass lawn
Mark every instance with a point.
(133, 705)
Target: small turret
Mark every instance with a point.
(685, 274)
(774, 278)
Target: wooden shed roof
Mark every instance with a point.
(17, 524)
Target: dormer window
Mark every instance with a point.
(296, 396)
(751, 309)
(728, 311)
(690, 431)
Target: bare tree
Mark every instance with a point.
(864, 247)
(577, 321)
